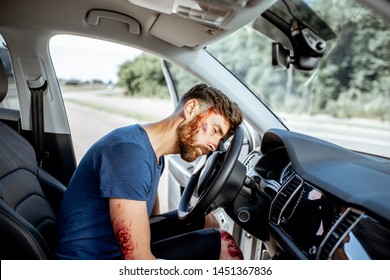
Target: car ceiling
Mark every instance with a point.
(158, 30)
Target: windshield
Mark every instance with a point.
(345, 98)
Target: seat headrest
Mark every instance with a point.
(3, 82)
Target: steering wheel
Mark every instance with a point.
(209, 178)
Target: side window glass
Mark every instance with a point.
(11, 100)
(105, 86)
(182, 80)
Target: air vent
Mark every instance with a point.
(283, 198)
(339, 230)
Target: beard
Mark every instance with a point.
(189, 150)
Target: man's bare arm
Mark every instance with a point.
(130, 222)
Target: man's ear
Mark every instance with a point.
(191, 108)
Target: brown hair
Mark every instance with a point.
(212, 97)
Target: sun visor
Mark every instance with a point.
(181, 32)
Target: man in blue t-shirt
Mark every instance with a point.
(106, 210)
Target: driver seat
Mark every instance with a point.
(29, 197)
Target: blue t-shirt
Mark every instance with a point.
(122, 164)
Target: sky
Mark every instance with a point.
(86, 59)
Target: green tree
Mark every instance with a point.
(143, 77)
(355, 76)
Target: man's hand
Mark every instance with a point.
(210, 221)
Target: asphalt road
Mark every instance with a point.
(92, 114)
(370, 136)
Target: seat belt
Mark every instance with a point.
(37, 88)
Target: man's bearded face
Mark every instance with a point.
(187, 137)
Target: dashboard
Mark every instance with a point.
(326, 202)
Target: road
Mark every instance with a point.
(370, 136)
(92, 114)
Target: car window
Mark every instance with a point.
(105, 86)
(345, 99)
(182, 80)
(11, 100)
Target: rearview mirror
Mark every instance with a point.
(280, 57)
